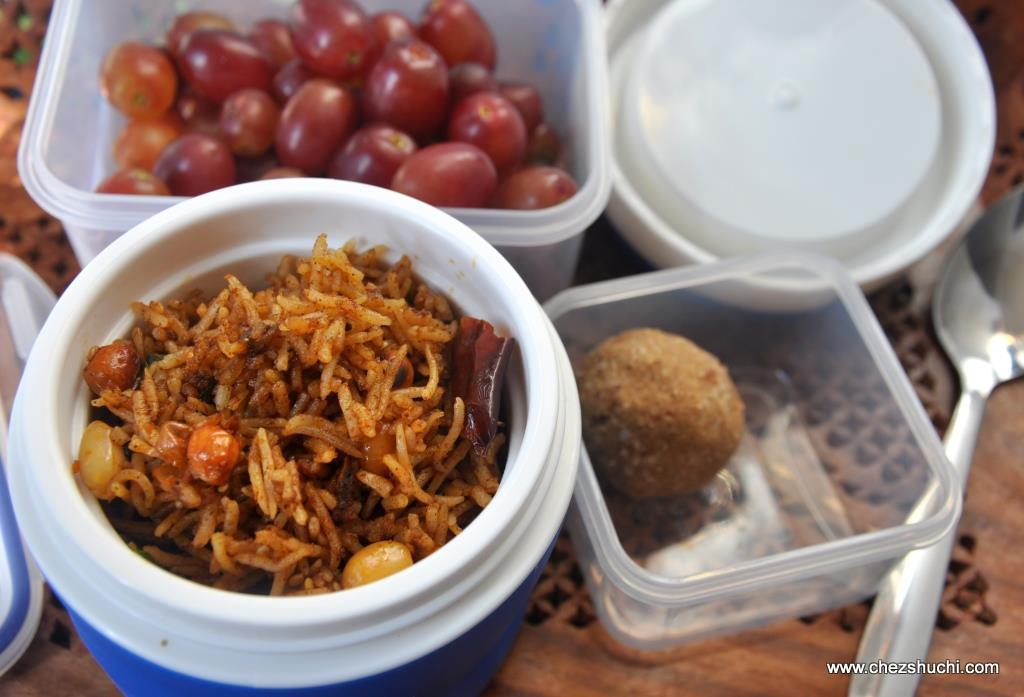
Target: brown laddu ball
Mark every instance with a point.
(661, 416)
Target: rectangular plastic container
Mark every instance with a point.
(812, 508)
(557, 45)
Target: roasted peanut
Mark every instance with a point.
(99, 458)
(113, 367)
(172, 442)
(374, 562)
(212, 454)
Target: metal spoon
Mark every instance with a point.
(978, 313)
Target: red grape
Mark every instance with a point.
(141, 140)
(248, 122)
(527, 100)
(133, 181)
(372, 155)
(458, 33)
(392, 26)
(189, 22)
(286, 99)
(408, 88)
(333, 37)
(492, 123)
(199, 114)
(194, 164)
(138, 80)
(282, 173)
(290, 78)
(274, 40)
(218, 63)
(544, 147)
(535, 187)
(249, 169)
(469, 78)
(314, 124)
(448, 174)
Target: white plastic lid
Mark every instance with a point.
(752, 126)
(24, 303)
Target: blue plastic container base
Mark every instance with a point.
(479, 654)
(20, 587)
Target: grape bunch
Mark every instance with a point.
(332, 91)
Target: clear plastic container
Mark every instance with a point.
(812, 508)
(558, 45)
(884, 138)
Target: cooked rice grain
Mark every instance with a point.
(306, 374)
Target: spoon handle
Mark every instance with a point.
(964, 424)
(899, 628)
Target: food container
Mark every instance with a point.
(812, 509)
(24, 303)
(21, 587)
(442, 626)
(557, 45)
(728, 138)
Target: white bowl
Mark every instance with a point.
(224, 636)
(878, 225)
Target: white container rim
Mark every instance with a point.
(518, 554)
(657, 240)
(794, 565)
(235, 663)
(49, 477)
(76, 207)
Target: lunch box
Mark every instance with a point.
(25, 301)
(812, 509)
(808, 515)
(556, 45)
(442, 626)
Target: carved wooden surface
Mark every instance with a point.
(562, 649)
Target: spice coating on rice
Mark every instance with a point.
(267, 437)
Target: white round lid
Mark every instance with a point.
(792, 123)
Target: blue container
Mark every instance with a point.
(439, 627)
(21, 588)
(478, 654)
(25, 301)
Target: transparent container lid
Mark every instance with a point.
(836, 453)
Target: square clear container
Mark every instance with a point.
(557, 45)
(813, 507)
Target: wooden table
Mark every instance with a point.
(562, 649)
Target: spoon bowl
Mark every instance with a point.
(979, 302)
